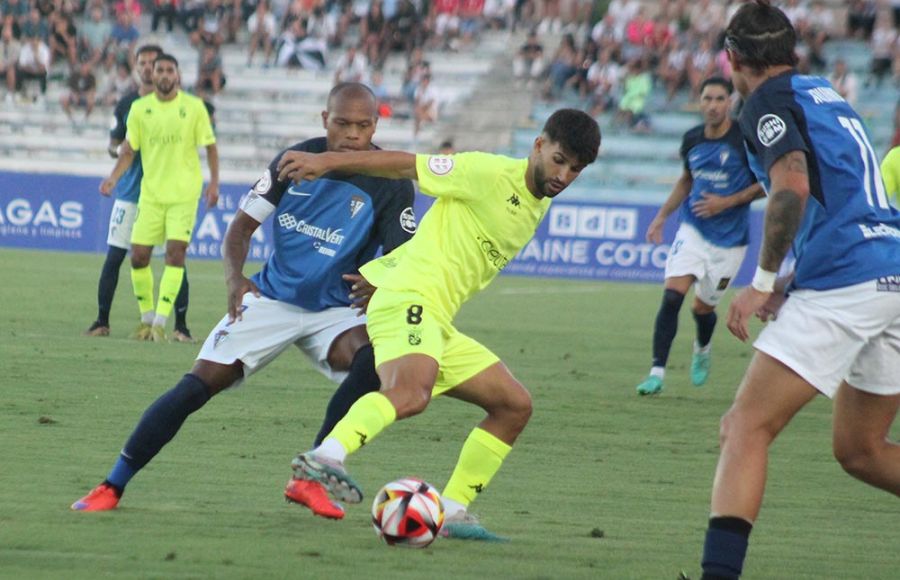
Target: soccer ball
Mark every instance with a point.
(407, 512)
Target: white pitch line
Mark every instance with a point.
(553, 289)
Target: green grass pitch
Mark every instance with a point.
(594, 457)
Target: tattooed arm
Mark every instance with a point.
(790, 189)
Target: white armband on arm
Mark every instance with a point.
(257, 207)
(763, 280)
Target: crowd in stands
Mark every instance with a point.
(612, 61)
(673, 45)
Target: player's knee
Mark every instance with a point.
(515, 407)
(140, 260)
(856, 457)
(410, 399)
(672, 299)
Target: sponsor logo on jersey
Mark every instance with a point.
(264, 183)
(770, 129)
(888, 284)
(356, 204)
(322, 235)
(493, 255)
(879, 231)
(440, 165)
(408, 220)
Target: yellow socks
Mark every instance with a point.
(169, 286)
(142, 282)
(366, 418)
(480, 458)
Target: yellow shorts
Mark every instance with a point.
(402, 323)
(156, 222)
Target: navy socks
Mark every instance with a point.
(361, 380)
(666, 326)
(725, 548)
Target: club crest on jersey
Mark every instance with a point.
(408, 220)
(770, 129)
(724, 154)
(182, 112)
(265, 182)
(356, 204)
(440, 165)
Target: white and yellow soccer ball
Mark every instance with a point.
(408, 512)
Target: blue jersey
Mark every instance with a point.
(128, 187)
(718, 166)
(849, 233)
(326, 228)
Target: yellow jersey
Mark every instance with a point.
(484, 215)
(890, 172)
(168, 133)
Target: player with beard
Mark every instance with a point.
(487, 208)
(166, 126)
(124, 212)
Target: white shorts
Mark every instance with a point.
(268, 327)
(713, 266)
(829, 336)
(121, 222)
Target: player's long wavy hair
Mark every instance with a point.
(576, 131)
(761, 35)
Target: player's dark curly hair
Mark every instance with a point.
(166, 57)
(761, 35)
(577, 133)
(718, 81)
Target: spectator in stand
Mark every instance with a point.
(416, 68)
(895, 139)
(528, 63)
(352, 67)
(95, 34)
(623, 11)
(884, 40)
(133, 7)
(563, 66)
(382, 96)
(263, 31)
(123, 40)
(603, 79)
(844, 82)
(10, 48)
(861, 18)
(118, 85)
(427, 103)
(471, 14)
(701, 66)
(798, 14)
(36, 25)
(608, 33)
(82, 91)
(164, 10)
(707, 18)
(672, 69)
(191, 11)
(820, 29)
(402, 28)
(638, 33)
(210, 25)
(374, 32)
(445, 14)
(63, 41)
(34, 64)
(299, 50)
(446, 147)
(17, 9)
(498, 14)
(210, 77)
(637, 86)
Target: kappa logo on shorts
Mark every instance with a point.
(723, 283)
(770, 129)
(440, 165)
(219, 337)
